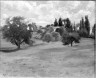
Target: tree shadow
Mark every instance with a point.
(8, 49)
(13, 49)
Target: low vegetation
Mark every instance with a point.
(17, 31)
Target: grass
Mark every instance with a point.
(48, 60)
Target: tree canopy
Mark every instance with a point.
(16, 31)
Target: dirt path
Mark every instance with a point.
(50, 60)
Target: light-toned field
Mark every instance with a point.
(48, 60)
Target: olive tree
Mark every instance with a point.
(16, 31)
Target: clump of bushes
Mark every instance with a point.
(53, 36)
(49, 29)
(47, 37)
(56, 36)
(92, 36)
(83, 33)
(64, 38)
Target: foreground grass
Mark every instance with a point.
(49, 60)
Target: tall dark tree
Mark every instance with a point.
(82, 23)
(60, 22)
(68, 25)
(82, 29)
(55, 23)
(87, 25)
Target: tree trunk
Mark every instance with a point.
(18, 46)
(71, 44)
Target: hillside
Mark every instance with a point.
(48, 60)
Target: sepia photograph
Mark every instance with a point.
(47, 38)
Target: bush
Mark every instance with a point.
(31, 42)
(64, 38)
(50, 29)
(56, 36)
(83, 33)
(92, 36)
(59, 30)
(47, 37)
(75, 35)
(68, 38)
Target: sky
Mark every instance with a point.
(45, 12)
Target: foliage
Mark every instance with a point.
(47, 37)
(82, 26)
(83, 32)
(68, 38)
(39, 31)
(82, 23)
(59, 30)
(55, 23)
(47, 26)
(50, 29)
(60, 22)
(16, 31)
(87, 25)
(82, 29)
(43, 34)
(64, 37)
(92, 36)
(56, 36)
(68, 25)
(33, 27)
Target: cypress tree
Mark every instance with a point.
(87, 25)
(68, 25)
(55, 23)
(60, 22)
(82, 23)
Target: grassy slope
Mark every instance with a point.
(49, 60)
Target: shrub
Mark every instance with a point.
(64, 38)
(31, 42)
(47, 37)
(92, 36)
(75, 35)
(59, 30)
(83, 33)
(56, 36)
(50, 29)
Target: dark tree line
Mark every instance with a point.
(17, 32)
(58, 23)
(84, 28)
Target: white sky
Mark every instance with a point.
(45, 12)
